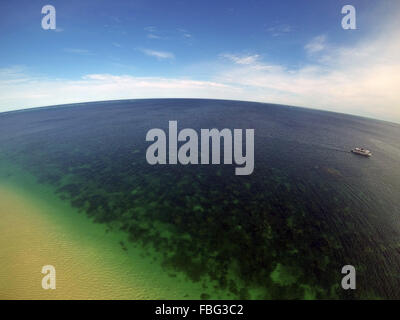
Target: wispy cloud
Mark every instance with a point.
(153, 33)
(150, 29)
(361, 79)
(184, 33)
(241, 59)
(95, 87)
(161, 55)
(14, 75)
(279, 30)
(153, 36)
(317, 44)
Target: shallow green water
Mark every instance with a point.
(112, 257)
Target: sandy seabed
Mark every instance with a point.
(89, 262)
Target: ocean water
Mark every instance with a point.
(309, 208)
(37, 229)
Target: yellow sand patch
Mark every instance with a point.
(89, 263)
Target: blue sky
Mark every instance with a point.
(280, 51)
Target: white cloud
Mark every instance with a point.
(316, 45)
(184, 33)
(150, 29)
(361, 79)
(153, 36)
(94, 87)
(158, 54)
(279, 30)
(244, 59)
(153, 33)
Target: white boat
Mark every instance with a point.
(362, 152)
